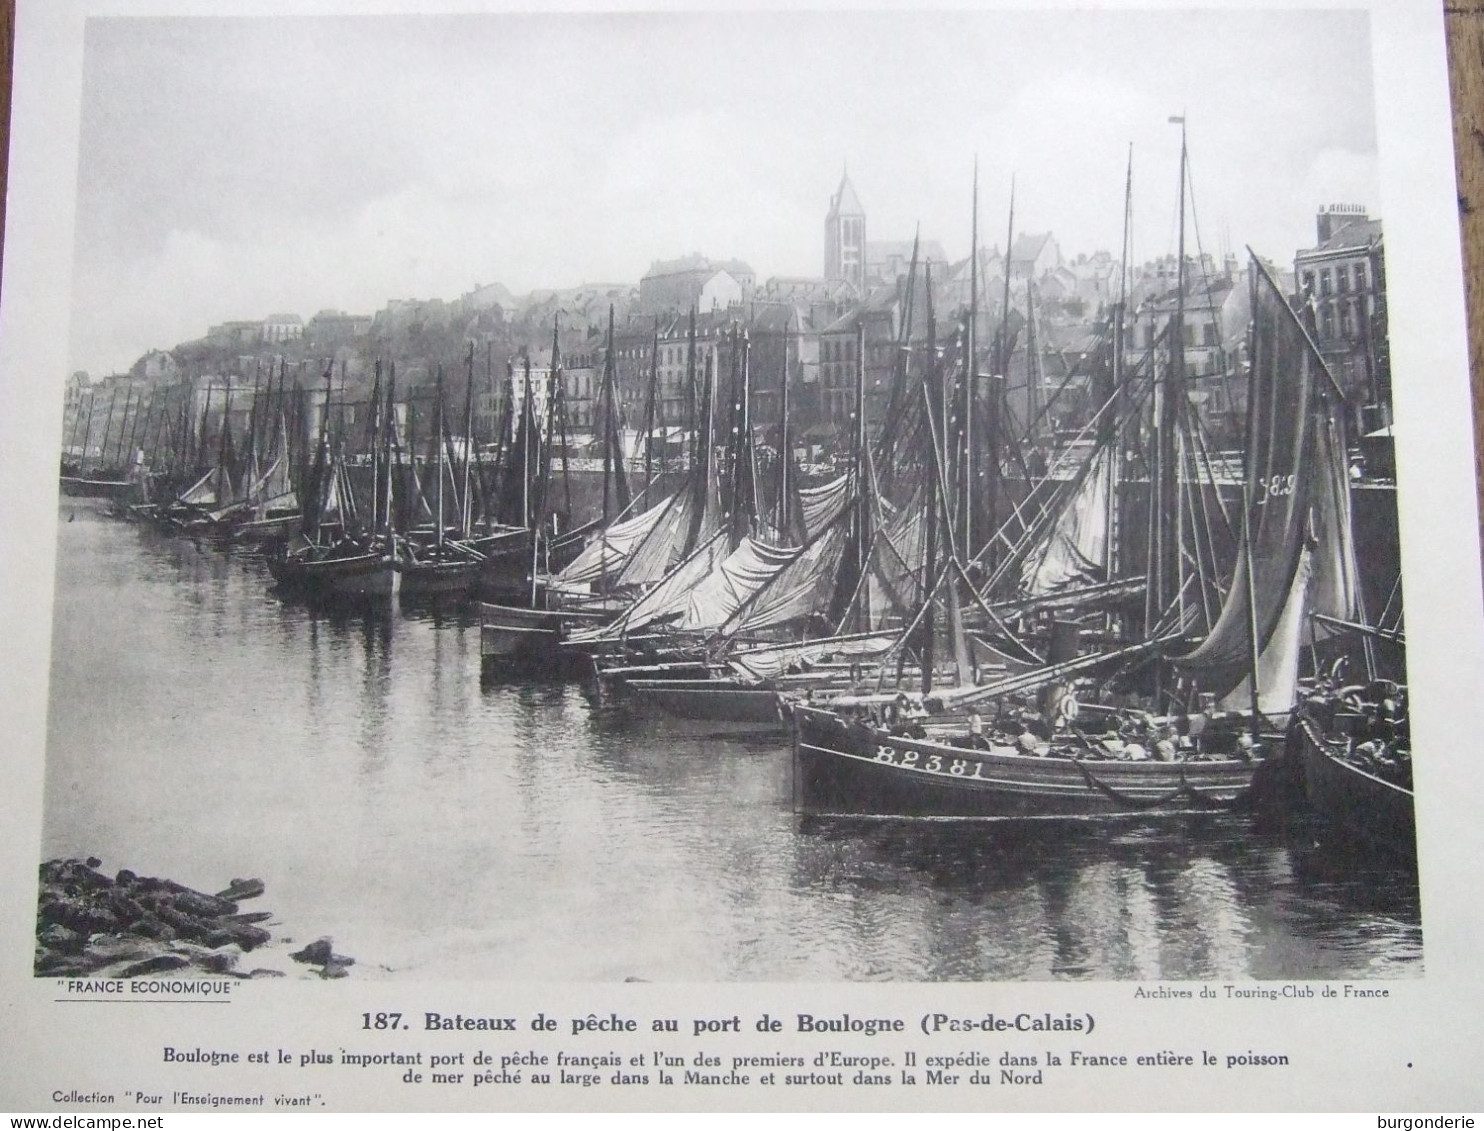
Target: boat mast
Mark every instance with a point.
(966, 491)
(1165, 507)
(744, 473)
(108, 426)
(527, 414)
(1252, 646)
(223, 471)
(375, 444)
(392, 455)
(930, 562)
(399, 505)
(87, 433)
(1113, 425)
(441, 464)
(785, 448)
(998, 385)
(118, 451)
(466, 509)
(652, 405)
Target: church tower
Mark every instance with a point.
(845, 236)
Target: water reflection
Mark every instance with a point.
(443, 824)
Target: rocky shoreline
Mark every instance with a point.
(131, 926)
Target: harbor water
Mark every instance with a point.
(443, 826)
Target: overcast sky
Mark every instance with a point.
(233, 168)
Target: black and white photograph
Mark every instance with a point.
(736, 559)
(583, 497)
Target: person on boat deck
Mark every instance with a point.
(1246, 746)
(1028, 743)
(1165, 749)
(977, 738)
(910, 714)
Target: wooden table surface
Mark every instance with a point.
(1465, 30)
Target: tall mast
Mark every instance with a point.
(376, 439)
(557, 417)
(967, 408)
(527, 415)
(650, 397)
(108, 425)
(76, 404)
(118, 451)
(1113, 422)
(746, 504)
(606, 417)
(392, 457)
(785, 448)
(87, 433)
(466, 511)
(692, 394)
(440, 466)
(997, 386)
(134, 430)
(1004, 350)
(223, 472)
(1165, 506)
(930, 564)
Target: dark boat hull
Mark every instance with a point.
(847, 768)
(715, 700)
(357, 575)
(275, 529)
(525, 639)
(510, 559)
(439, 577)
(1363, 805)
(79, 487)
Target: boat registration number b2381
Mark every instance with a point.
(929, 763)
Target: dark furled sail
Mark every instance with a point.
(1296, 523)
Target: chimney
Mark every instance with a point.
(1325, 225)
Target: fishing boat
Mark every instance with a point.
(443, 560)
(846, 766)
(270, 510)
(1352, 751)
(96, 485)
(340, 554)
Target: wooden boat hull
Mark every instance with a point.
(714, 700)
(80, 487)
(439, 577)
(357, 575)
(1363, 805)
(260, 530)
(847, 768)
(509, 559)
(525, 640)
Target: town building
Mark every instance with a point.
(694, 282)
(282, 328)
(330, 329)
(890, 260)
(235, 335)
(1342, 283)
(845, 236)
(1215, 315)
(1033, 255)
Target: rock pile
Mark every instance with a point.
(129, 926)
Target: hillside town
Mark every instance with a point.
(1043, 318)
